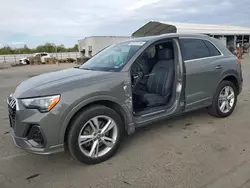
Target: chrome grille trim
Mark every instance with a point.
(12, 110)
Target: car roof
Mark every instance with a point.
(214, 41)
(169, 35)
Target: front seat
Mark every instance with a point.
(160, 83)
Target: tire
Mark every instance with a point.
(27, 61)
(82, 122)
(215, 110)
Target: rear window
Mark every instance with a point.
(194, 49)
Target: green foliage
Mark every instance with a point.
(48, 47)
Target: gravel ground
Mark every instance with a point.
(193, 150)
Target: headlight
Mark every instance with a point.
(43, 104)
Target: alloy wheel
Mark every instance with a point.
(226, 99)
(98, 136)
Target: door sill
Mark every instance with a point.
(150, 111)
(153, 113)
(153, 110)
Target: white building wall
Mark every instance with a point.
(223, 40)
(93, 45)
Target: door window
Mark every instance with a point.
(44, 54)
(194, 49)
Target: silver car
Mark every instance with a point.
(87, 110)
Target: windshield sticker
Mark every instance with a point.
(136, 43)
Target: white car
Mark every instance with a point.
(24, 61)
(42, 55)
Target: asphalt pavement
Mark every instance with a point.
(194, 150)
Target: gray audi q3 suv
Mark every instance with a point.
(87, 109)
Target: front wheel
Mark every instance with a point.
(224, 100)
(95, 135)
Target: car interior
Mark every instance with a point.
(153, 78)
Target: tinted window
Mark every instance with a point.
(213, 50)
(194, 49)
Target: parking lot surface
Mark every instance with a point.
(193, 150)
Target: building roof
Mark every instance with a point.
(158, 28)
(105, 37)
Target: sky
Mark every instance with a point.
(35, 22)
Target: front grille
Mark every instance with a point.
(12, 110)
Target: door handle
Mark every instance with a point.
(218, 67)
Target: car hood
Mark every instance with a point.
(39, 85)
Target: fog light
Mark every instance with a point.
(35, 136)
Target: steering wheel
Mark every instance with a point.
(137, 73)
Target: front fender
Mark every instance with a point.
(81, 105)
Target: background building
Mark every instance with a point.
(231, 36)
(89, 46)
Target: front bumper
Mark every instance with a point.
(34, 131)
(25, 144)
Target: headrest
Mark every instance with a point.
(165, 54)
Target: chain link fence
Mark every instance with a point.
(14, 58)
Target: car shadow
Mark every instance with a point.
(176, 123)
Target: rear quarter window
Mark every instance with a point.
(194, 49)
(212, 49)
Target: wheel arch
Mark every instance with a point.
(105, 102)
(214, 108)
(232, 78)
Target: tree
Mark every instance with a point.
(47, 47)
(24, 50)
(61, 48)
(6, 50)
(75, 48)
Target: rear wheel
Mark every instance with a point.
(95, 135)
(224, 100)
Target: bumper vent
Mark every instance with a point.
(35, 136)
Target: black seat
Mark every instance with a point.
(160, 83)
(143, 66)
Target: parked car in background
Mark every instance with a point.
(131, 84)
(42, 55)
(24, 61)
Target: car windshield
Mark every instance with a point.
(114, 57)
